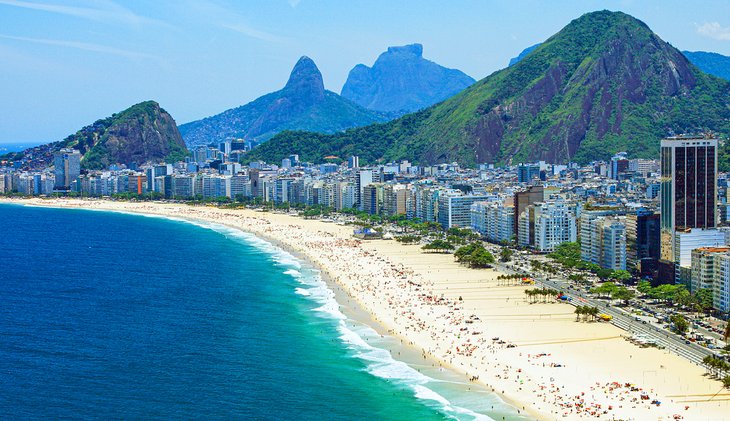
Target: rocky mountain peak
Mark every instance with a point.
(411, 49)
(401, 80)
(305, 80)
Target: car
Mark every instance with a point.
(643, 321)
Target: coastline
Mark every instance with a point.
(417, 299)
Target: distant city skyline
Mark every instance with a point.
(67, 64)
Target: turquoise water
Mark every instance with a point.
(109, 315)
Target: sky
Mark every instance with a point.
(65, 64)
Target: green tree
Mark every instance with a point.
(680, 323)
(644, 287)
(481, 258)
(605, 290)
(505, 255)
(623, 293)
(463, 254)
(705, 298)
(621, 275)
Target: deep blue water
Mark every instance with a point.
(108, 315)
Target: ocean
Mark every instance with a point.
(111, 315)
(17, 146)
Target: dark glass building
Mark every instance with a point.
(688, 188)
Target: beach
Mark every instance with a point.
(536, 356)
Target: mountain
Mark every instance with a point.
(303, 104)
(604, 83)
(712, 63)
(143, 132)
(526, 51)
(401, 81)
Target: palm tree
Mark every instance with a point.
(726, 335)
(593, 313)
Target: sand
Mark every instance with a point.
(544, 362)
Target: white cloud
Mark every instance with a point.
(223, 17)
(294, 3)
(105, 11)
(82, 46)
(251, 32)
(714, 30)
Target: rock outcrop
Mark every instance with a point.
(402, 81)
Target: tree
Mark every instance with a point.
(620, 275)
(474, 255)
(505, 255)
(481, 258)
(623, 293)
(705, 299)
(463, 254)
(680, 323)
(604, 274)
(644, 287)
(726, 334)
(726, 382)
(593, 312)
(579, 312)
(682, 298)
(605, 290)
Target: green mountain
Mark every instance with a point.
(604, 83)
(142, 133)
(303, 104)
(402, 81)
(712, 63)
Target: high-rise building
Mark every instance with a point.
(526, 173)
(619, 164)
(522, 201)
(372, 198)
(494, 220)
(688, 196)
(603, 238)
(353, 162)
(711, 271)
(554, 224)
(67, 163)
(642, 240)
(454, 209)
(364, 178)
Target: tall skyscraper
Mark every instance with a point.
(688, 190)
(364, 178)
(67, 163)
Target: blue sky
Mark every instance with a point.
(65, 64)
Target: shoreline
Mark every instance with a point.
(353, 309)
(418, 299)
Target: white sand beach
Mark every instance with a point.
(544, 362)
